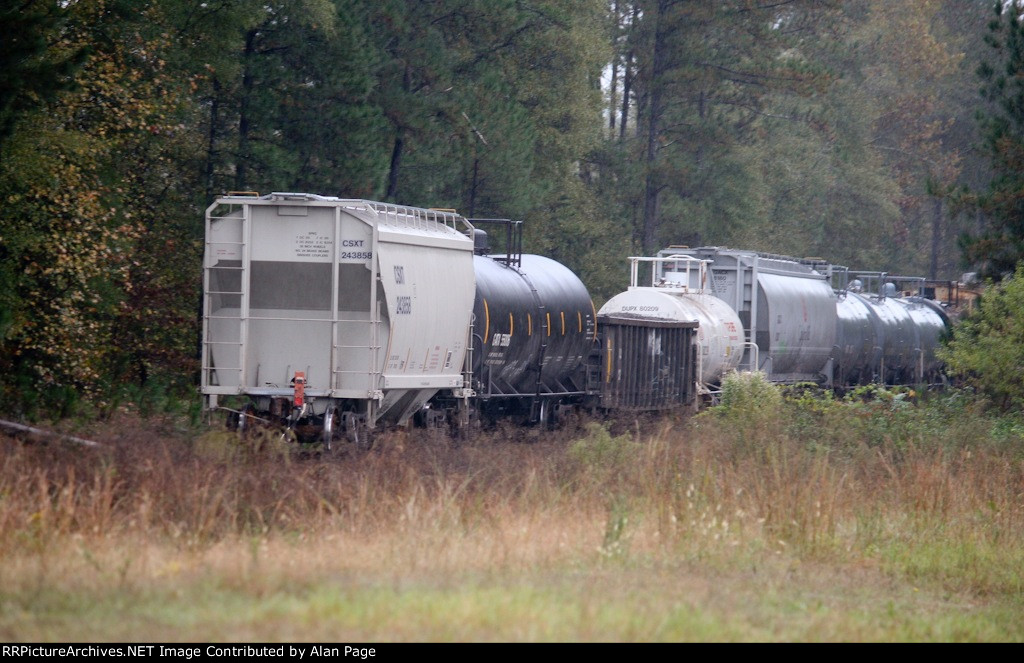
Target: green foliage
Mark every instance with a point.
(748, 396)
(998, 248)
(703, 74)
(32, 71)
(749, 406)
(89, 300)
(603, 452)
(118, 126)
(987, 347)
(741, 129)
(895, 420)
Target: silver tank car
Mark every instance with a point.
(859, 340)
(932, 324)
(899, 339)
(887, 337)
(786, 308)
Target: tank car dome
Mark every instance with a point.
(647, 304)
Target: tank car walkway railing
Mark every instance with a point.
(513, 240)
(415, 218)
(679, 272)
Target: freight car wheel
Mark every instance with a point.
(329, 433)
(246, 420)
(546, 414)
(356, 431)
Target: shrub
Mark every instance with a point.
(749, 393)
(987, 347)
(602, 452)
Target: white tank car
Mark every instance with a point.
(680, 296)
(334, 306)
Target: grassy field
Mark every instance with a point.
(767, 519)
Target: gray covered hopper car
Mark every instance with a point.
(349, 311)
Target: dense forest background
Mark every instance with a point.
(846, 129)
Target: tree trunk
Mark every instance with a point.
(211, 140)
(242, 157)
(652, 181)
(627, 74)
(936, 238)
(399, 146)
(396, 162)
(612, 105)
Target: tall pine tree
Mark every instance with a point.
(997, 248)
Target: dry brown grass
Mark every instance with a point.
(682, 510)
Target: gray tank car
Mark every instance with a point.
(799, 325)
(787, 309)
(859, 350)
(887, 336)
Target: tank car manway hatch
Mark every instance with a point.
(328, 309)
